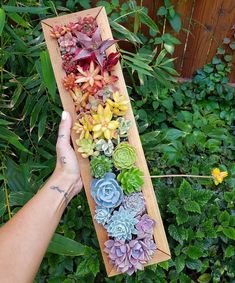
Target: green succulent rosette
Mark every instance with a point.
(124, 156)
(100, 166)
(131, 180)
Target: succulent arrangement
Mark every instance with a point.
(103, 138)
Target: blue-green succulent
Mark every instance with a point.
(121, 225)
(106, 191)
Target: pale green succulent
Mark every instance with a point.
(124, 126)
(106, 147)
(124, 156)
(86, 147)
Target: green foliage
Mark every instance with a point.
(185, 128)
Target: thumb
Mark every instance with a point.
(64, 130)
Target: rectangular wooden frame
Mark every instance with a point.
(163, 252)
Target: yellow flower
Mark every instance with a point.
(218, 176)
(84, 127)
(103, 123)
(119, 104)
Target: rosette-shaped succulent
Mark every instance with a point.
(86, 148)
(84, 127)
(102, 214)
(67, 43)
(106, 146)
(104, 126)
(69, 81)
(134, 203)
(100, 166)
(121, 225)
(140, 252)
(130, 257)
(106, 191)
(124, 156)
(145, 226)
(124, 126)
(131, 180)
(118, 104)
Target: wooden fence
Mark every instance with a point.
(205, 23)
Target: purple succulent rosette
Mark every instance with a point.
(134, 203)
(102, 214)
(106, 191)
(121, 225)
(130, 256)
(145, 226)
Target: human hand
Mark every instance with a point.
(67, 164)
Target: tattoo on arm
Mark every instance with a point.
(56, 188)
(61, 136)
(63, 159)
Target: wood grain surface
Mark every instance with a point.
(163, 252)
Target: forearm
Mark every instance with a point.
(25, 238)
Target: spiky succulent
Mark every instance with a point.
(118, 104)
(131, 180)
(102, 214)
(106, 191)
(100, 165)
(124, 126)
(84, 126)
(130, 257)
(134, 203)
(69, 81)
(145, 226)
(121, 225)
(86, 147)
(124, 156)
(106, 147)
(90, 79)
(93, 46)
(111, 61)
(104, 126)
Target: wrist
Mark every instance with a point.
(62, 185)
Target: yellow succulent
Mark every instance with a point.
(118, 104)
(84, 127)
(104, 126)
(218, 176)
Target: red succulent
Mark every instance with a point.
(69, 81)
(111, 61)
(90, 79)
(92, 46)
(87, 25)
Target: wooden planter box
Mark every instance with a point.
(163, 252)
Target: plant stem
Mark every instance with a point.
(181, 175)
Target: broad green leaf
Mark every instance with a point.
(180, 263)
(185, 191)
(89, 264)
(48, 75)
(229, 232)
(194, 252)
(2, 20)
(192, 206)
(67, 247)
(175, 22)
(30, 10)
(204, 278)
(229, 252)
